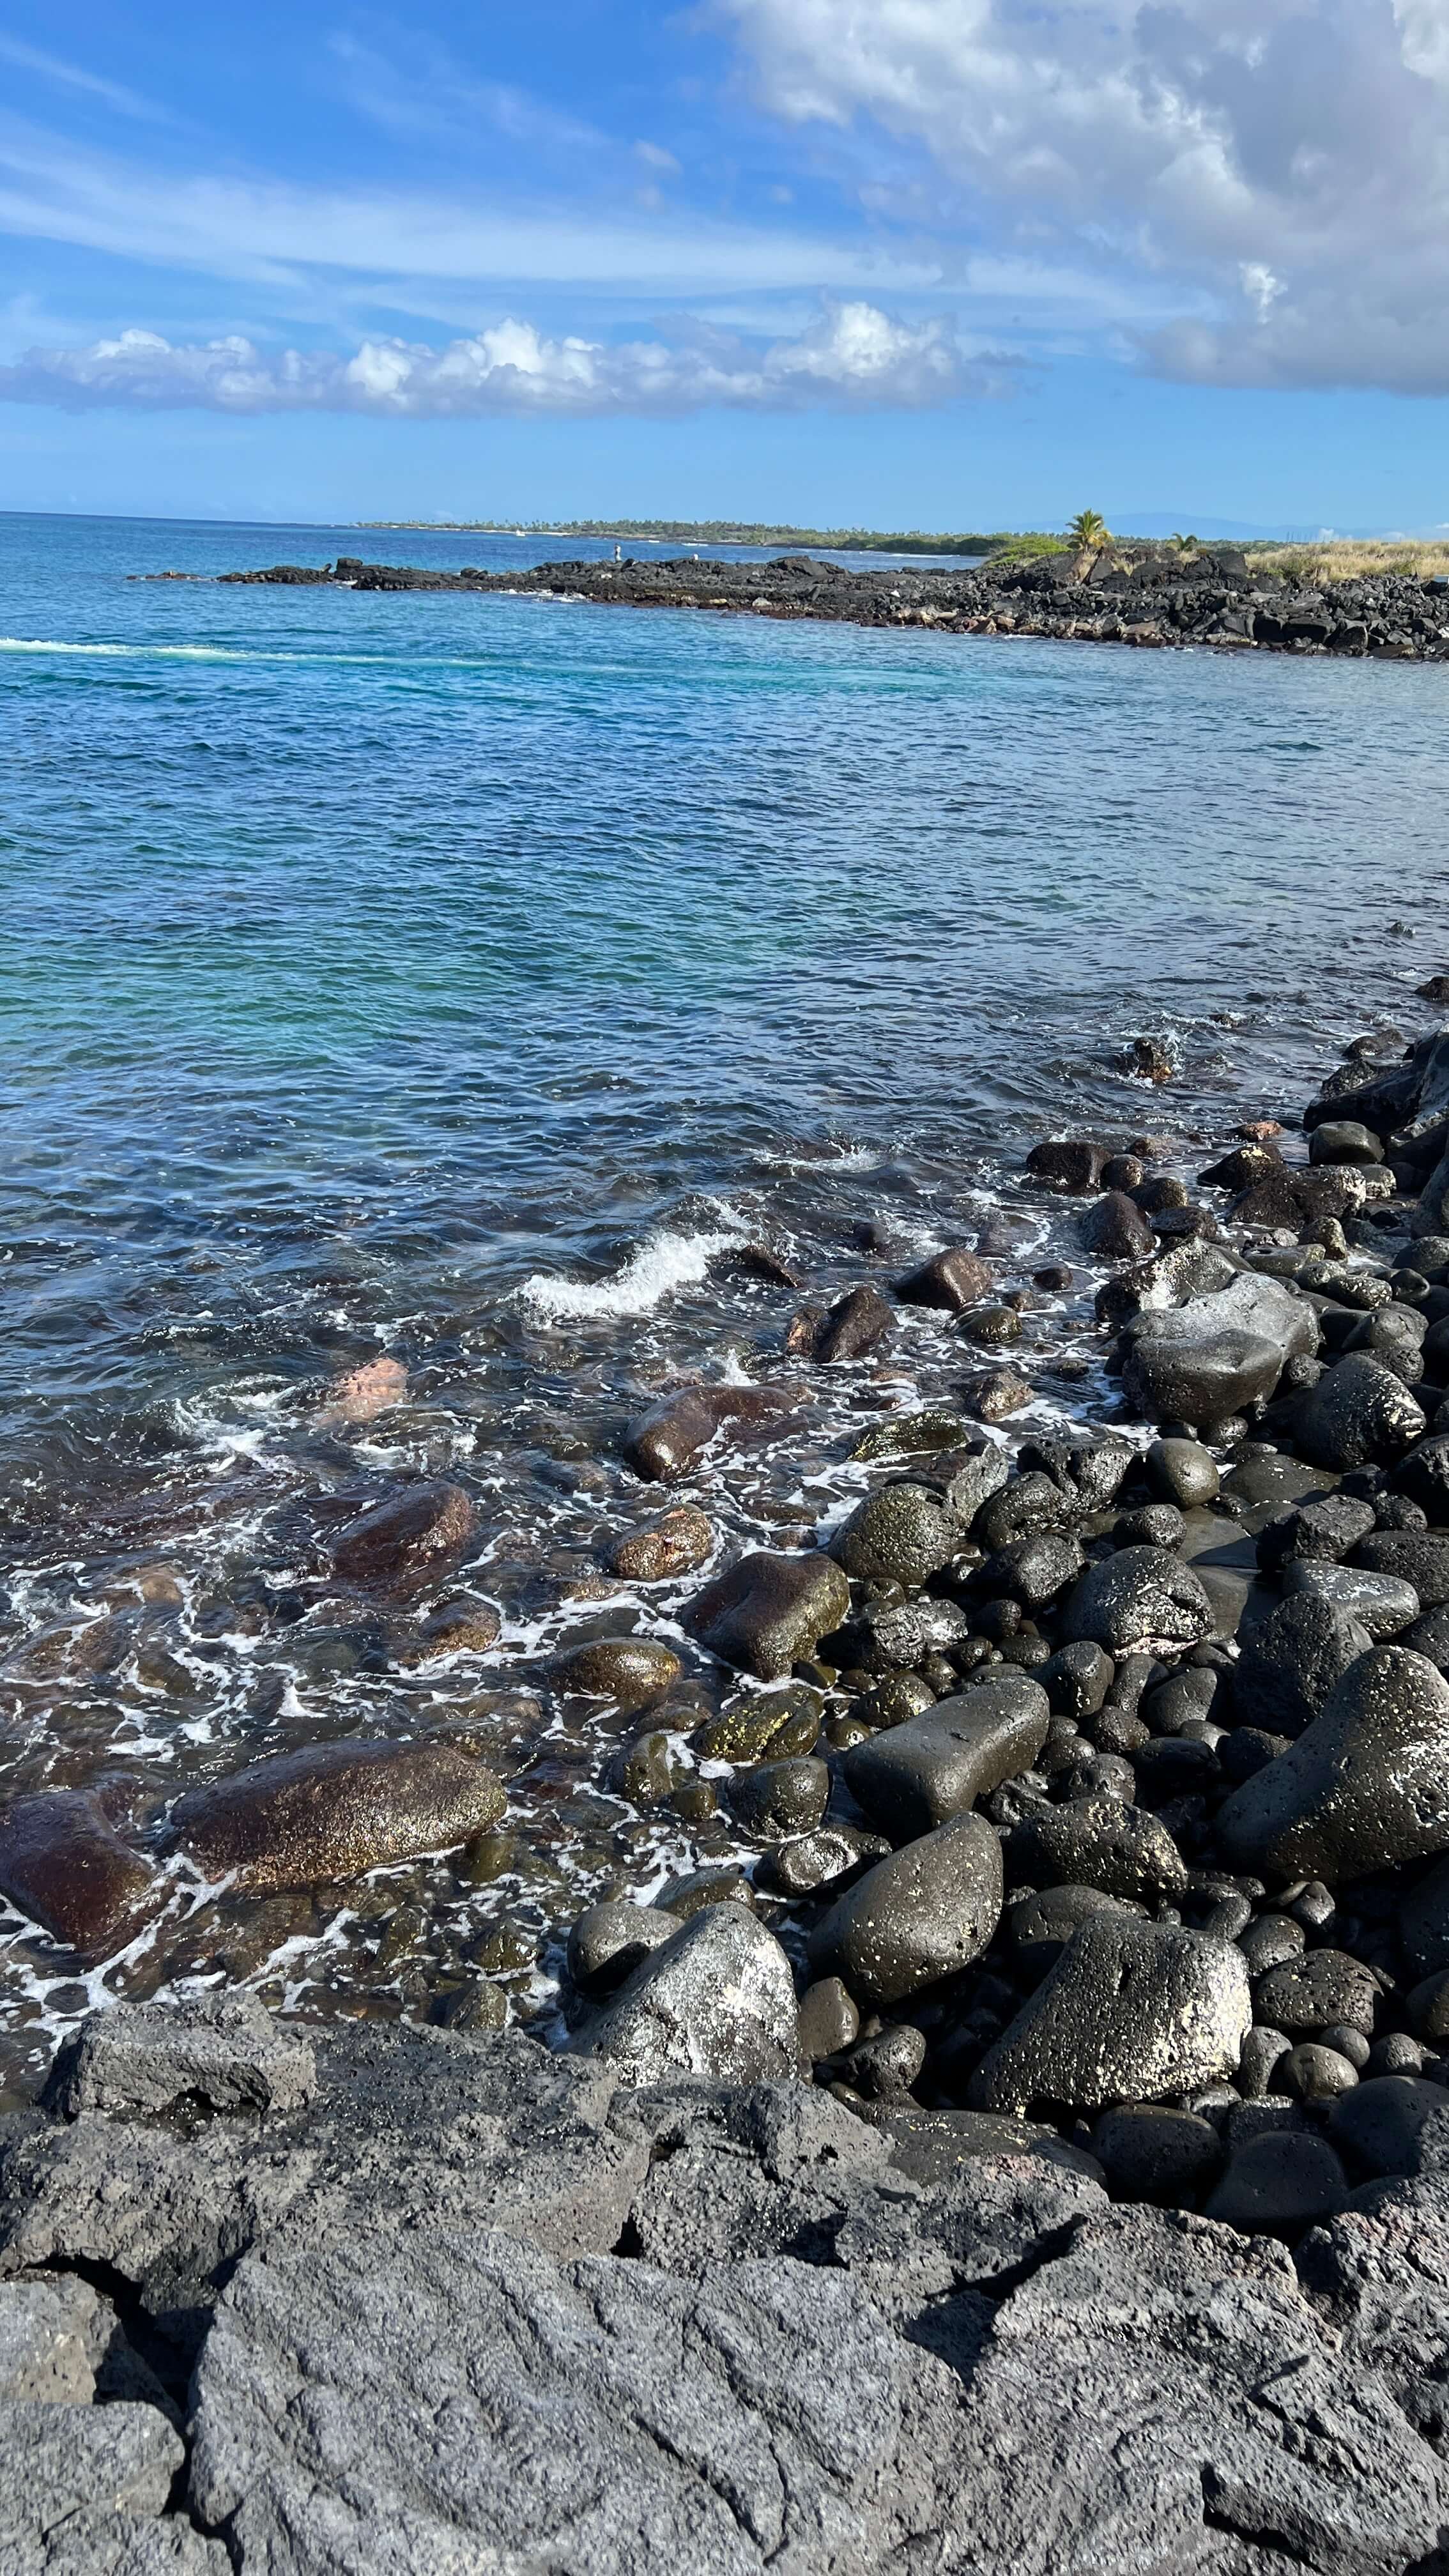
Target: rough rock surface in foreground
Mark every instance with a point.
(474, 2307)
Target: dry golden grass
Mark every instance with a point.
(1350, 559)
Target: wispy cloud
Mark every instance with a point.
(266, 231)
(71, 76)
(854, 356)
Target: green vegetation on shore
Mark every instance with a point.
(738, 532)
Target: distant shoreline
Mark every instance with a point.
(714, 532)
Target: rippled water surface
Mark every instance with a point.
(459, 977)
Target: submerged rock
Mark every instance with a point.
(406, 1539)
(633, 1672)
(666, 1441)
(673, 1545)
(334, 1811)
(63, 1863)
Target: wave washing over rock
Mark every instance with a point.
(1029, 2155)
(1218, 598)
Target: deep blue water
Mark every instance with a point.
(368, 957)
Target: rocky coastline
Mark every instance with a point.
(1035, 2159)
(1219, 598)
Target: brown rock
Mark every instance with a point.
(458, 1628)
(665, 1442)
(989, 1395)
(760, 1261)
(335, 1810)
(631, 1671)
(1070, 1164)
(951, 1281)
(363, 1392)
(764, 1612)
(675, 1544)
(407, 1538)
(63, 1863)
(854, 1325)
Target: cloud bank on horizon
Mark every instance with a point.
(900, 205)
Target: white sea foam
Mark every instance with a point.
(665, 1262)
(234, 653)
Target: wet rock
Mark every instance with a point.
(1182, 1472)
(828, 2020)
(920, 1916)
(983, 1473)
(662, 1550)
(993, 1395)
(717, 1999)
(1206, 1360)
(900, 1638)
(1344, 1140)
(905, 1435)
(1077, 1679)
(1130, 2012)
(780, 1799)
(361, 1393)
(903, 1533)
(63, 1864)
(1137, 1597)
(854, 1326)
(1380, 1603)
(1115, 1230)
(633, 1672)
(223, 2051)
(910, 1779)
(773, 1723)
(1292, 1662)
(950, 1281)
(1087, 1471)
(1359, 1414)
(667, 1441)
(690, 1895)
(334, 1811)
(765, 1612)
(1365, 1787)
(1424, 1476)
(457, 1628)
(406, 1539)
(1096, 1841)
(610, 1940)
(1068, 1164)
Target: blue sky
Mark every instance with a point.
(902, 262)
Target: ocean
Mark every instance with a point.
(461, 978)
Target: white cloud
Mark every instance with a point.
(267, 232)
(72, 76)
(853, 356)
(1283, 165)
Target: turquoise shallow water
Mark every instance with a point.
(369, 958)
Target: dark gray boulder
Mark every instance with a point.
(1034, 1570)
(1381, 1604)
(912, 1777)
(1424, 1476)
(1152, 2153)
(223, 2053)
(778, 1799)
(1116, 1230)
(1316, 1991)
(1320, 1532)
(1097, 1842)
(902, 1533)
(1292, 1662)
(718, 1999)
(1365, 1787)
(1130, 2012)
(949, 1281)
(1359, 1414)
(1140, 1596)
(1280, 2184)
(1199, 1378)
(1424, 1921)
(766, 1611)
(1393, 2124)
(611, 1939)
(1042, 1924)
(920, 1916)
(1416, 1557)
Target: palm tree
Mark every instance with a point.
(1183, 545)
(1089, 532)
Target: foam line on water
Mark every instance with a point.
(237, 653)
(665, 1262)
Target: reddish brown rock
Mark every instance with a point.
(406, 1539)
(331, 1812)
(674, 1544)
(760, 1261)
(458, 1628)
(365, 1391)
(631, 1671)
(989, 1395)
(665, 1442)
(766, 1611)
(951, 1281)
(63, 1863)
(855, 1325)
